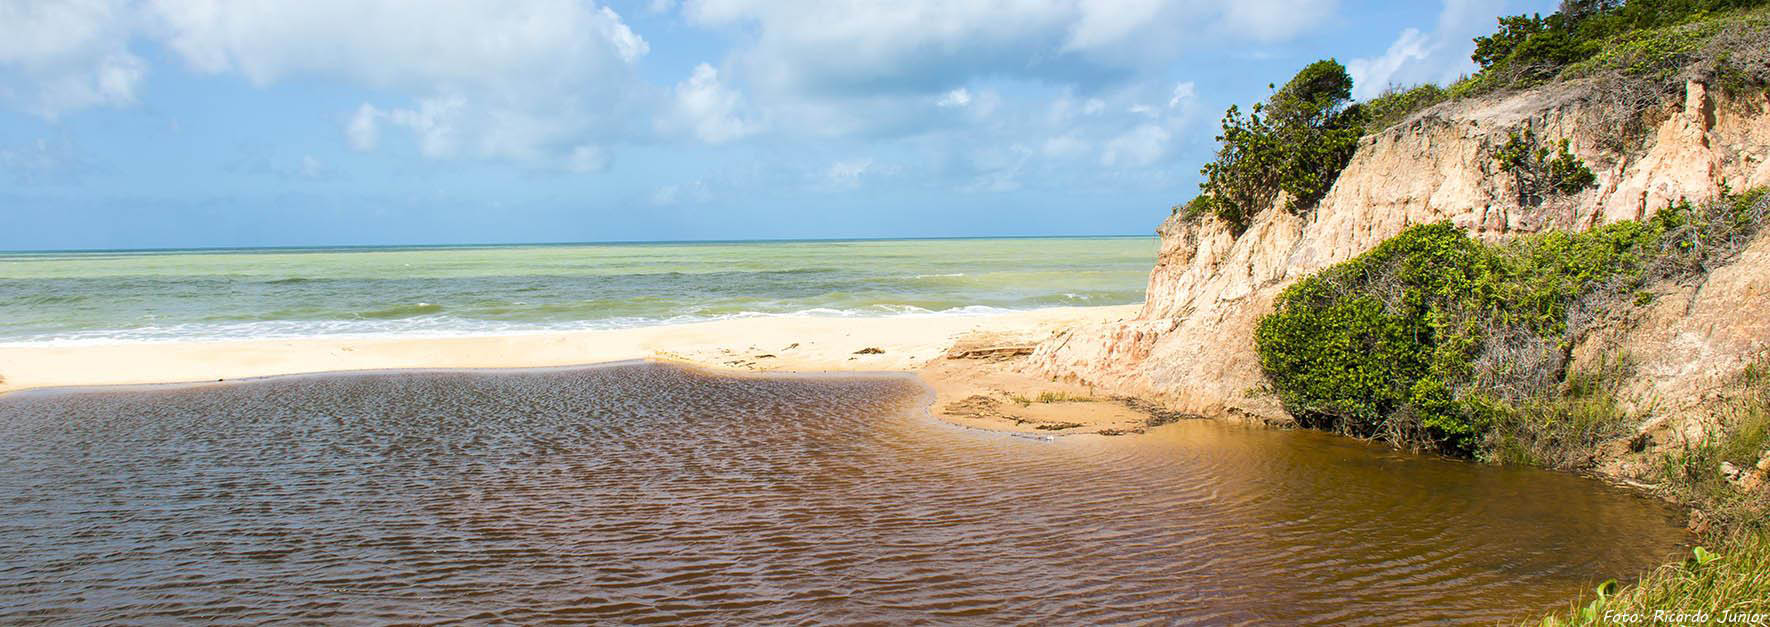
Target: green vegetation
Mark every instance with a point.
(1703, 473)
(1435, 340)
(1063, 397)
(1395, 104)
(1532, 49)
(1050, 397)
(1295, 143)
(1561, 427)
(1735, 576)
(1732, 580)
(1640, 51)
(1540, 173)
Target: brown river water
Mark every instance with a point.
(639, 493)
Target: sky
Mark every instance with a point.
(234, 123)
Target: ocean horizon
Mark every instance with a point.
(204, 294)
(4, 253)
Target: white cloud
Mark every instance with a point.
(1184, 95)
(1417, 57)
(42, 161)
(955, 98)
(709, 108)
(586, 159)
(1274, 20)
(66, 56)
(832, 68)
(1064, 146)
(263, 160)
(998, 169)
(1106, 22)
(1138, 147)
(847, 174)
(435, 123)
(312, 167)
(695, 193)
(1370, 76)
(523, 80)
(519, 79)
(397, 43)
(364, 129)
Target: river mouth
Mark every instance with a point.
(650, 492)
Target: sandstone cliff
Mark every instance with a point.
(1191, 346)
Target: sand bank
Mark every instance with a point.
(982, 388)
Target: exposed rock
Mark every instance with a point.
(870, 350)
(1191, 347)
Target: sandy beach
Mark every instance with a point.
(986, 391)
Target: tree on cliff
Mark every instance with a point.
(1296, 142)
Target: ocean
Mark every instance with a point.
(175, 295)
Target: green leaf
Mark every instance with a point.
(1607, 588)
(1704, 556)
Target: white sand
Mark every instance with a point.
(821, 344)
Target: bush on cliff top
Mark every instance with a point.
(1642, 49)
(1432, 338)
(1396, 104)
(1295, 143)
(1531, 48)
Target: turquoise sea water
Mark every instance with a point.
(457, 290)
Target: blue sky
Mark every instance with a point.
(199, 123)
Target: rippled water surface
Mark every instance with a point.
(639, 492)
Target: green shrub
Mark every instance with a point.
(1243, 180)
(1394, 104)
(1199, 206)
(1432, 339)
(1558, 429)
(1642, 36)
(1370, 347)
(1540, 173)
(1296, 142)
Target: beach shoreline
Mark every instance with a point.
(985, 392)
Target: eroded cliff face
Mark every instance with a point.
(1192, 346)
